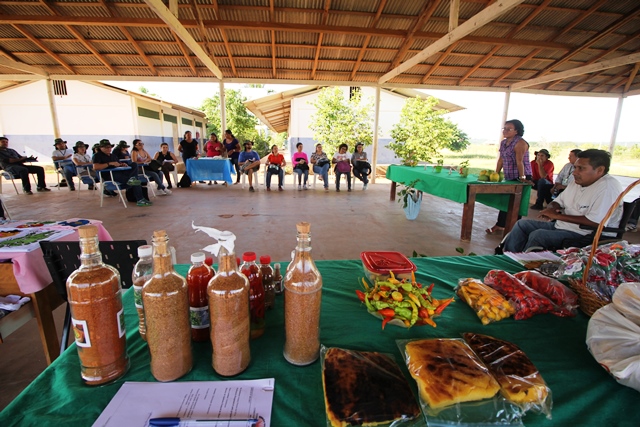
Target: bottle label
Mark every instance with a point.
(137, 296)
(81, 332)
(199, 317)
(121, 328)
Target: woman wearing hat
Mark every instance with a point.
(61, 157)
(122, 153)
(541, 175)
(84, 162)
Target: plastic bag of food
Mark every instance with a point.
(385, 399)
(488, 304)
(562, 296)
(614, 341)
(519, 379)
(455, 387)
(527, 302)
(627, 301)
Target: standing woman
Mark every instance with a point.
(214, 148)
(300, 165)
(188, 147)
(321, 165)
(168, 160)
(514, 160)
(361, 166)
(232, 146)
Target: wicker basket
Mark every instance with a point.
(589, 300)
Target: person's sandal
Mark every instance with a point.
(494, 230)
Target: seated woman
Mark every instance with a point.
(321, 165)
(342, 160)
(300, 165)
(168, 160)
(140, 156)
(84, 163)
(275, 165)
(249, 162)
(122, 153)
(361, 167)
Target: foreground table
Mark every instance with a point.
(583, 393)
(209, 169)
(509, 196)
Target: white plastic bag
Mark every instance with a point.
(614, 339)
(413, 208)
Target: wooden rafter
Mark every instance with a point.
(21, 66)
(454, 12)
(325, 15)
(49, 52)
(435, 66)
(631, 78)
(201, 29)
(365, 45)
(9, 55)
(273, 39)
(618, 76)
(225, 39)
(425, 14)
(185, 54)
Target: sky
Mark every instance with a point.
(546, 118)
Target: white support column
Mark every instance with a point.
(616, 123)
(223, 110)
(505, 109)
(134, 115)
(52, 108)
(374, 155)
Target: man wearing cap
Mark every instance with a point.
(82, 160)
(541, 175)
(13, 163)
(122, 153)
(62, 159)
(105, 159)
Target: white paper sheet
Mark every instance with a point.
(525, 257)
(136, 402)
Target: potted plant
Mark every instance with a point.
(463, 169)
(438, 167)
(411, 198)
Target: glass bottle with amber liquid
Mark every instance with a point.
(302, 297)
(166, 307)
(256, 293)
(97, 314)
(229, 314)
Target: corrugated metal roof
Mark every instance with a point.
(249, 26)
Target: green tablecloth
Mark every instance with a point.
(454, 187)
(583, 393)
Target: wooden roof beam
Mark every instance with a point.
(273, 39)
(617, 76)
(603, 65)
(325, 15)
(201, 29)
(516, 66)
(631, 78)
(161, 10)
(225, 39)
(185, 54)
(365, 45)
(9, 55)
(479, 20)
(437, 63)
(454, 14)
(21, 66)
(37, 42)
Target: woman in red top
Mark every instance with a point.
(541, 175)
(275, 164)
(214, 148)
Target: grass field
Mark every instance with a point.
(625, 161)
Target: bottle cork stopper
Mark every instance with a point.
(160, 234)
(87, 231)
(303, 227)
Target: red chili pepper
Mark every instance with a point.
(360, 295)
(443, 305)
(385, 321)
(387, 312)
(385, 288)
(418, 285)
(423, 313)
(430, 288)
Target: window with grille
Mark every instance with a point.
(59, 87)
(353, 90)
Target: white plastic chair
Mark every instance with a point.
(84, 177)
(273, 177)
(256, 178)
(9, 176)
(142, 174)
(109, 183)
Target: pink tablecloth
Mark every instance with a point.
(30, 269)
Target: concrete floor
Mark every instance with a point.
(342, 225)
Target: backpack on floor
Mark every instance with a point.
(130, 196)
(185, 181)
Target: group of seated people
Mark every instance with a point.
(342, 161)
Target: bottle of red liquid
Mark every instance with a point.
(267, 281)
(198, 278)
(256, 293)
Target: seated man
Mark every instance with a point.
(562, 180)
(541, 175)
(585, 201)
(249, 162)
(13, 163)
(62, 158)
(105, 159)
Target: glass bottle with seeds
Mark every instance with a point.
(256, 293)
(94, 293)
(229, 313)
(141, 273)
(166, 306)
(302, 296)
(198, 279)
(267, 281)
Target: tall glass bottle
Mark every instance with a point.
(302, 296)
(256, 293)
(267, 281)
(198, 279)
(97, 315)
(141, 273)
(166, 307)
(229, 311)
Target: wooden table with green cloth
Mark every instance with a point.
(504, 196)
(583, 393)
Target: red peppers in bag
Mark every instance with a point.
(527, 302)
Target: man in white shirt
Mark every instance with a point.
(585, 201)
(61, 157)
